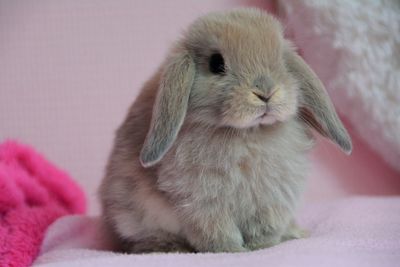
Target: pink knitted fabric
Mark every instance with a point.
(33, 194)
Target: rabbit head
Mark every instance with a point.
(235, 69)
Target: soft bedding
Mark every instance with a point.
(359, 231)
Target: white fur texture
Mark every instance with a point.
(354, 47)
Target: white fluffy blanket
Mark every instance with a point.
(351, 232)
(354, 46)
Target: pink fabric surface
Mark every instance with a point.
(33, 194)
(350, 232)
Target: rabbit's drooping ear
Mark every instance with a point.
(316, 109)
(169, 108)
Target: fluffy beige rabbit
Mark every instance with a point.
(211, 156)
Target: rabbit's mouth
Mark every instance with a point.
(266, 118)
(263, 115)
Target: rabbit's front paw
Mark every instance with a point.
(262, 242)
(227, 239)
(295, 232)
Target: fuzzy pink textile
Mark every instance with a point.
(33, 194)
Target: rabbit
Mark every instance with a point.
(212, 154)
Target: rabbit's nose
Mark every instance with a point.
(264, 84)
(262, 97)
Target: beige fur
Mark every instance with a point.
(216, 162)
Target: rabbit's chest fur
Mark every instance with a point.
(253, 179)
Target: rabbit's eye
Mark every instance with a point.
(217, 64)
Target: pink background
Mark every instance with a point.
(70, 69)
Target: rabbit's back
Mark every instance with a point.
(131, 203)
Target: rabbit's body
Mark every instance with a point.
(245, 185)
(215, 174)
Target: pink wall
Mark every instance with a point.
(70, 69)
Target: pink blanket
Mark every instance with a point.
(351, 232)
(33, 193)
